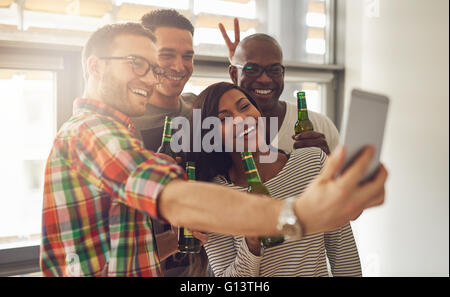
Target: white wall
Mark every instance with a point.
(404, 53)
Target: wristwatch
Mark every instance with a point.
(288, 223)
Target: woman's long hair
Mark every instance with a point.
(211, 164)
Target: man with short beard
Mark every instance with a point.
(94, 222)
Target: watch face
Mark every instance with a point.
(291, 230)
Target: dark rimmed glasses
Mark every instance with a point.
(141, 66)
(255, 70)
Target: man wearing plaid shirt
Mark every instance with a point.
(101, 186)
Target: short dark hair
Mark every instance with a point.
(166, 18)
(261, 37)
(101, 41)
(210, 165)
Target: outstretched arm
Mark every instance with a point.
(328, 203)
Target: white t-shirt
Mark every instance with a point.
(321, 123)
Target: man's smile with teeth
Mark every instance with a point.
(139, 92)
(174, 77)
(263, 91)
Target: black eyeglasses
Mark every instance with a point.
(141, 66)
(255, 70)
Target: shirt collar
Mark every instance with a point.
(83, 104)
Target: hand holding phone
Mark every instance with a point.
(363, 124)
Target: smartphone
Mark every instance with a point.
(363, 124)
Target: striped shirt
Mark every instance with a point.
(101, 187)
(230, 256)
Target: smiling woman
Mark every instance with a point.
(243, 256)
(223, 133)
(236, 105)
(240, 128)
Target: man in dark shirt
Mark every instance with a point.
(174, 34)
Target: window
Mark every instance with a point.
(28, 123)
(39, 84)
(197, 84)
(314, 93)
(302, 27)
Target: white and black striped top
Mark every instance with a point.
(230, 256)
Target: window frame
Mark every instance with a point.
(20, 260)
(65, 61)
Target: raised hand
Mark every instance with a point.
(237, 37)
(311, 139)
(168, 158)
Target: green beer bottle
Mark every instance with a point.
(166, 138)
(256, 186)
(187, 243)
(303, 123)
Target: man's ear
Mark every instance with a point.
(94, 67)
(232, 71)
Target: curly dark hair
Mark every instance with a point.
(166, 18)
(211, 164)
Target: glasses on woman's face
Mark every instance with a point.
(140, 65)
(255, 70)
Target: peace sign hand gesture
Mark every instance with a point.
(237, 37)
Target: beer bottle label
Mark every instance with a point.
(187, 233)
(249, 164)
(190, 170)
(167, 132)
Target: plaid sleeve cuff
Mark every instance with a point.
(146, 182)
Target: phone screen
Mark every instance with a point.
(364, 124)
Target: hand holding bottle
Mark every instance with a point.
(187, 241)
(311, 139)
(254, 245)
(202, 236)
(168, 158)
(256, 186)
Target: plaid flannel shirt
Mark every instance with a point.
(101, 187)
